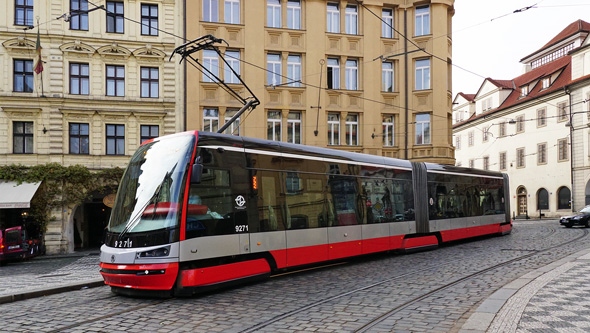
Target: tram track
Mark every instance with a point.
(367, 326)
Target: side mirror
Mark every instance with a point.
(197, 173)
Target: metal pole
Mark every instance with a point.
(406, 81)
(236, 116)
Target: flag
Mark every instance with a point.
(39, 65)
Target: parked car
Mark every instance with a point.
(581, 218)
(16, 244)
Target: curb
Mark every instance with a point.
(51, 291)
(488, 312)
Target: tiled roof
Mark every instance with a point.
(570, 30)
(468, 97)
(501, 83)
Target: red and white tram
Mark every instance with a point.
(198, 210)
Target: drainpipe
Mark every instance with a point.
(406, 81)
(184, 112)
(568, 92)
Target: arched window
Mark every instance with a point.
(564, 196)
(542, 199)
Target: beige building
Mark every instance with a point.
(106, 85)
(333, 74)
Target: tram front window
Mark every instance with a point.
(210, 205)
(149, 194)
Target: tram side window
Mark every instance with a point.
(346, 200)
(306, 207)
(388, 200)
(210, 205)
(270, 207)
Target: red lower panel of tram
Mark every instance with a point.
(222, 273)
(148, 276)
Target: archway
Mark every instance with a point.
(542, 200)
(89, 221)
(564, 198)
(522, 200)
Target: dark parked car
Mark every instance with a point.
(582, 218)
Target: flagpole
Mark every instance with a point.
(39, 66)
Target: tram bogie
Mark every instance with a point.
(196, 211)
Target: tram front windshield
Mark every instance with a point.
(149, 196)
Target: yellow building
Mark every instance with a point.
(338, 74)
(106, 85)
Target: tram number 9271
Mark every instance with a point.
(242, 228)
(125, 243)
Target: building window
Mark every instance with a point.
(273, 65)
(333, 129)
(293, 14)
(422, 21)
(563, 150)
(115, 139)
(486, 163)
(351, 18)
(273, 126)
(486, 134)
(333, 18)
(115, 17)
(149, 20)
(273, 13)
(458, 142)
(22, 137)
(150, 82)
(232, 11)
(387, 76)
(387, 23)
(562, 112)
(471, 163)
(524, 90)
(423, 74)
(211, 63)
(149, 132)
(520, 162)
(79, 139)
(23, 75)
(543, 199)
(352, 126)
(79, 15)
(79, 79)
(23, 12)
(486, 104)
(423, 129)
(564, 197)
(519, 124)
(233, 128)
(388, 130)
(333, 74)
(294, 70)
(546, 82)
(211, 10)
(470, 138)
(503, 160)
(542, 153)
(210, 120)
(294, 127)
(233, 59)
(351, 75)
(502, 129)
(541, 117)
(115, 80)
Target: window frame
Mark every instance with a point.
(210, 62)
(151, 135)
(388, 126)
(333, 73)
(294, 70)
(520, 158)
(27, 137)
(273, 124)
(79, 137)
(387, 30)
(541, 153)
(502, 158)
(79, 15)
(351, 74)
(562, 150)
(80, 78)
(352, 126)
(213, 120)
(422, 70)
(116, 17)
(294, 127)
(542, 117)
(27, 9)
(273, 14)
(387, 76)
(150, 81)
(351, 20)
(422, 18)
(233, 60)
(147, 21)
(333, 17)
(333, 129)
(232, 13)
(27, 76)
(294, 14)
(116, 80)
(116, 137)
(424, 134)
(562, 112)
(520, 124)
(229, 113)
(274, 67)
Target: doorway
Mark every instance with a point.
(522, 201)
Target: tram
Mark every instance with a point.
(200, 210)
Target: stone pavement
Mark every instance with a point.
(49, 274)
(554, 298)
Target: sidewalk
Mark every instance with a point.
(553, 298)
(49, 274)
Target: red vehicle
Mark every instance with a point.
(15, 244)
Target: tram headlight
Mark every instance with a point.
(159, 252)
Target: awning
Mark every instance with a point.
(13, 195)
